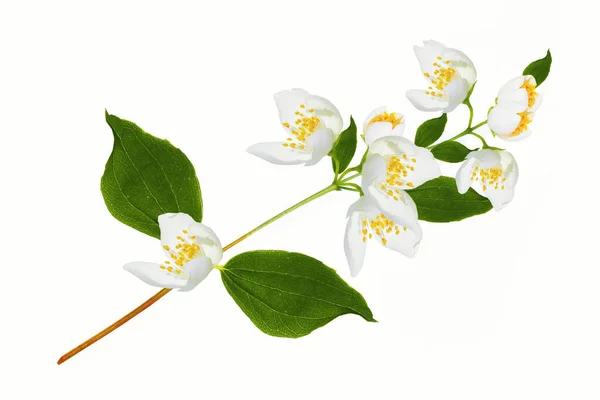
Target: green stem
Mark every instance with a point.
(468, 103)
(469, 131)
(330, 188)
(479, 125)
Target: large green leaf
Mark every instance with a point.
(438, 200)
(146, 177)
(344, 148)
(540, 68)
(450, 151)
(289, 294)
(430, 131)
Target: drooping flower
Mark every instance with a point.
(367, 221)
(450, 75)
(492, 173)
(516, 103)
(192, 250)
(382, 123)
(395, 164)
(312, 124)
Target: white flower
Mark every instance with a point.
(192, 251)
(312, 124)
(493, 173)
(516, 103)
(381, 123)
(449, 73)
(394, 164)
(366, 220)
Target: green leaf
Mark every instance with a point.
(450, 151)
(439, 201)
(146, 177)
(430, 131)
(289, 294)
(539, 68)
(344, 148)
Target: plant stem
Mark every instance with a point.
(334, 186)
(114, 326)
(469, 131)
(330, 188)
(468, 103)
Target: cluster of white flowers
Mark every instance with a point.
(393, 164)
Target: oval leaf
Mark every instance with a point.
(430, 131)
(344, 148)
(438, 200)
(146, 177)
(289, 294)
(539, 68)
(450, 151)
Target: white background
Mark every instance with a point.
(501, 306)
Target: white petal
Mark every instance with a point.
(427, 55)
(402, 211)
(500, 198)
(510, 169)
(378, 130)
(208, 241)
(425, 102)
(198, 269)
(152, 274)
(406, 242)
(512, 93)
(321, 143)
(364, 203)
(517, 138)
(373, 114)
(426, 167)
(172, 225)
(288, 102)
(487, 158)
(424, 164)
(462, 64)
(276, 153)
(373, 170)
(512, 85)
(538, 102)
(327, 113)
(457, 92)
(464, 174)
(393, 145)
(503, 121)
(354, 246)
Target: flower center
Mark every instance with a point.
(185, 250)
(381, 226)
(392, 118)
(303, 127)
(525, 120)
(443, 74)
(532, 95)
(491, 178)
(398, 168)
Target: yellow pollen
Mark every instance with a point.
(523, 124)
(492, 177)
(443, 75)
(392, 118)
(530, 87)
(184, 252)
(303, 126)
(398, 168)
